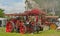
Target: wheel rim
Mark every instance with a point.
(53, 26)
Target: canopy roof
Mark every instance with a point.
(35, 12)
(52, 16)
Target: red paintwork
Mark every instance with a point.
(8, 27)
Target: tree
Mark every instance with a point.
(1, 13)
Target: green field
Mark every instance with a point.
(43, 33)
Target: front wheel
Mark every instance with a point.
(53, 26)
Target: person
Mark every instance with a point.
(32, 26)
(17, 25)
(58, 24)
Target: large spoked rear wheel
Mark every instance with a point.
(9, 27)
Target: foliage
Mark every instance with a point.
(1, 13)
(45, 4)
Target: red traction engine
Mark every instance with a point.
(14, 24)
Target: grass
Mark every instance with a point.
(43, 33)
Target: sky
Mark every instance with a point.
(12, 6)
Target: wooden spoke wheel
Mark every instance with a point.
(22, 29)
(53, 26)
(9, 27)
